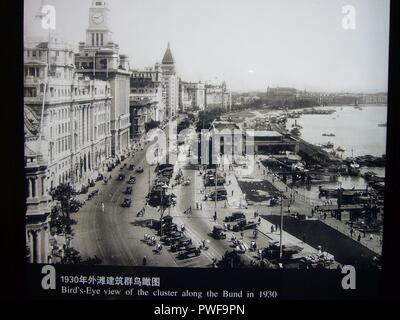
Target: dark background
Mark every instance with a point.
(13, 277)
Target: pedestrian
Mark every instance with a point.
(241, 234)
(232, 193)
(259, 219)
(272, 229)
(182, 227)
(351, 232)
(324, 215)
(102, 206)
(359, 238)
(197, 206)
(144, 260)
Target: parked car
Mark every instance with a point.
(131, 167)
(168, 228)
(121, 177)
(210, 181)
(132, 180)
(167, 233)
(243, 225)
(127, 202)
(139, 169)
(190, 252)
(235, 216)
(221, 195)
(173, 237)
(128, 190)
(180, 245)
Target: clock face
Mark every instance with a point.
(97, 18)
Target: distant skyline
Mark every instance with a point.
(251, 44)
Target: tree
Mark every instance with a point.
(65, 204)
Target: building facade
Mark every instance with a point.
(99, 58)
(191, 96)
(37, 198)
(76, 113)
(170, 82)
(217, 96)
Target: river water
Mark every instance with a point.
(355, 130)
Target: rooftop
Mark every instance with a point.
(168, 58)
(263, 133)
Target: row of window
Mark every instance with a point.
(144, 90)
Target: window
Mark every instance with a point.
(93, 39)
(34, 53)
(97, 39)
(101, 39)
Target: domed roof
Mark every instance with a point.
(168, 58)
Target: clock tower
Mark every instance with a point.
(98, 34)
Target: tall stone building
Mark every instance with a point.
(76, 113)
(37, 197)
(191, 96)
(170, 82)
(217, 96)
(146, 99)
(99, 58)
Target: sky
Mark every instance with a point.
(251, 44)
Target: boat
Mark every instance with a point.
(295, 131)
(328, 145)
(328, 134)
(382, 125)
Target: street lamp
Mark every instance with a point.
(163, 187)
(281, 227)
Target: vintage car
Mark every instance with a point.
(218, 232)
(167, 228)
(132, 180)
(169, 233)
(171, 238)
(210, 181)
(139, 169)
(244, 225)
(121, 177)
(131, 167)
(235, 216)
(128, 190)
(127, 202)
(189, 252)
(221, 194)
(181, 244)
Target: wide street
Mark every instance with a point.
(116, 235)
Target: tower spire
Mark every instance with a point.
(168, 58)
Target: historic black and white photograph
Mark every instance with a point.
(206, 134)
